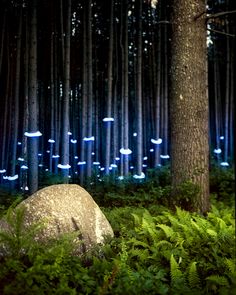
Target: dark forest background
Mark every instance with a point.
(93, 78)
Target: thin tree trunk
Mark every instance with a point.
(66, 100)
(109, 91)
(33, 103)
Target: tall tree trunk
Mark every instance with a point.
(109, 92)
(189, 101)
(139, 94)
(90, 92)
(66, 100)
(16, 99)
(33, 102)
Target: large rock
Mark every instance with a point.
(65, 208)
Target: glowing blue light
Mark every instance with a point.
(66, 166)
(224, 164)
(125, 151)
(96, 163)
(26, 188)
(117, 158)
(48, 151)
(81, 163)
(135, 134)
(222, 137)
(217, 151)
(76, 157)
(102, 168)
(11, 178)
(113, 166)
(131, 167)
(51, 140)
(19, 143)
(92, 153)
(151, 150)
(89, 138)
(145, 158)
(55, 156)
(46, 169)
(108, 119)
(141, 176)
(33, 134)
(69, 133)
(20, 159)
(156, 141)
(144, 165)
(73, 141)
(110, 168)
(24, 167)
(3, 171)
(39, 155)
(164, 156)
(40, 165)
(120, 177)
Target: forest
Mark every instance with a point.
(133, 100)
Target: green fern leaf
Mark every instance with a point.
(175, 272)
(230, 264)
(193, 277)
(218, 280)
(167, 230)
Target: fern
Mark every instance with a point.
(218, 280)
(193, 277)
(175, 272)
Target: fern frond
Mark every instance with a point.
(193, 277)
(175, 272)
(231, 265)
(167, 230)
(218, 280)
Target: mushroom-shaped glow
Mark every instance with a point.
(96, 163)
(108, 119)
(117, 158)
(76, 157)
(164, 156)
(24, 167)
(26, 188)
(73, 141)
(19, 143)
(224, 164)
(3, 170)
(69, 133)
(156, 141)
(217, 151)
(151, 150)
(102, 168)
(51, 140)
(20, 159)
(145, 158)
(113, 166)
(11, 178)
(125, 151)
(66, 166)
(222, 137)
(131, 167)
(55, 156)
(91, 138)
(81, 163)
(48, 151)
(33, 134)
(141, 176)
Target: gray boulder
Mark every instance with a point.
(66, 208)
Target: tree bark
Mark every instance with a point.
(189, 101)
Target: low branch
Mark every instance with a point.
(223, 13)
(220, 32)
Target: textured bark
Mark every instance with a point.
(33, 102)
(189, 99)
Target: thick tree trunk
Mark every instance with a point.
(189, 100)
